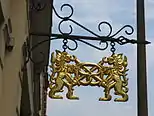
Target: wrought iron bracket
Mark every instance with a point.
(104, 41)
(110, 37)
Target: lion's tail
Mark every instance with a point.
(125, 83)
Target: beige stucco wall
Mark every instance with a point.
(10, 87)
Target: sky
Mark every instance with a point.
(118, 13)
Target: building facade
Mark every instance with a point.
(23, 84)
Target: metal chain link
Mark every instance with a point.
(65, 41)
(112, 47)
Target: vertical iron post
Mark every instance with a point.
(141, 62)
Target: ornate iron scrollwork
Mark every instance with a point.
(110, 37)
